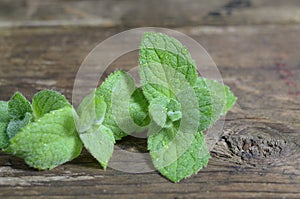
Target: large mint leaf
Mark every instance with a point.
(50, 141)
(4, 120)
(46, 101)
(164, 55)
(177, 155)
(160, 49)
(18, 106)
(99, 141)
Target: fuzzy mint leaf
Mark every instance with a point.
(4, 140)
(4, 120)
(91, 111)
(173, 158)
(46, 101)
(18, 106)
(138, 108)
(50, 141)
(15, 126)
(97, 139)
(160, 49)
(158, 52)
(126, 106)
(4, 114)
(105, 91)
(17, 113)
(214, 98)
(127, 101)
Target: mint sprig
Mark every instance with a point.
(44, 139)
(173, 104)
(181, 106)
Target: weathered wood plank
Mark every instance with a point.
(256, 157)
(131, 13)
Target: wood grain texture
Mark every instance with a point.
(131, 13)
(257, 156)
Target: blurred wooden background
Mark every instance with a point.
(255, 45)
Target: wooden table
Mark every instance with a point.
(256, 47)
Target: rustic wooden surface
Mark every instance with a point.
(258, 154)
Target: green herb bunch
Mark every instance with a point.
(172, 104)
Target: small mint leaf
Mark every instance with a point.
(214, 98)
(139, 108)
(15, 126)
(99, 141)
(18, 106)
(158, 111)
(46, 101)
(50, 141)
(4, 120)
(4, 114)
(4, 140)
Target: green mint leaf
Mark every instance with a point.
(138, 108)
(15, 126)
(50, 141)
(46, 101)
(214, 98)
(160, 49)
(124, 103)
(123, 94)
(91, 111)
(16, 114)
(4, 120)
(106, 91)
(177, 155)
(220, 93)
(164, 111)
(160, 54)
(18, 106)
(4, 114)
(158, 111)
(4, 140)
(99, 141)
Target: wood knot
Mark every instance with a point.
(253, 145)
(256, 143)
